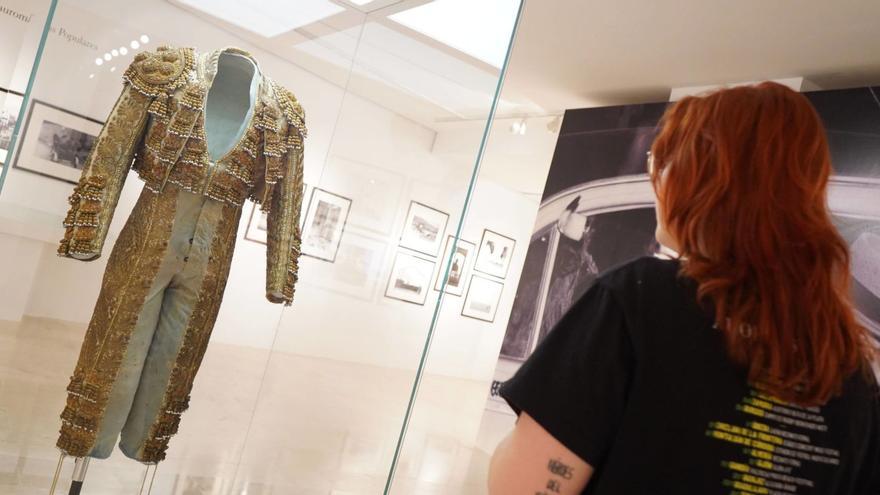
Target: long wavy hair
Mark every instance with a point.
(741, 177)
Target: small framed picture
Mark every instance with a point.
(324, 224)
(258, 221)
(459, 268)
(357, 271)
(496, 251)
(258, 225)
(10, 104)
(424, 228)
(55, 142)
(482, 298)
(410, 279)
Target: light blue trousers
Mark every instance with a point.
(138, 392)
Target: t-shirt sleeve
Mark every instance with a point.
(576, 382)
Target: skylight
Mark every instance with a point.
(480, 29)
(267, 17)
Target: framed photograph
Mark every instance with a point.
(258, 221)
(424, 228)
(10, 104)
(357, 271)
(496, 250)
(324, 224)
(459, 268)
(410, 279)
(482, 299)
(55, 142)
(377, 192)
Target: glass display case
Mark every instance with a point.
(311, 398)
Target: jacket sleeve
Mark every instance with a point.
(95, 196)
(284, 237)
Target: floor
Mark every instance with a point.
(260, 423)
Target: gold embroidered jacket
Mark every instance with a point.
(158, 128)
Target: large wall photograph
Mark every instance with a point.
(597, 210)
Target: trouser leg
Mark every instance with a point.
(127, 379)
(180, 299)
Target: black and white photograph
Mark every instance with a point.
(357, 271)
(257, 225)
(597, 210)
(863, 237)
(324, 224)
(424, 229)
(483, 297)
(459, 266)
(258, 222)
(377, 192)
(495, 253)
(56, 142)
(10, 104)
(410, 279)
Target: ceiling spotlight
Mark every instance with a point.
(135, 44)
(518, 127)
(123, 50)
(99, 61)
(107, 57)
(113, 69)
(91, 76)
(114, 52)
(145, 39)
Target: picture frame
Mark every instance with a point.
(410, 279)
(483, 298)
(423, 229)
(10, 105)
(324, 224)
(357, 271)
(496, 251)
(376, 190)
(257, 227)
(56, 142)
(459, 268)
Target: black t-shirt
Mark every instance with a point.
(636, 382)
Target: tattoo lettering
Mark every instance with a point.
(554, 486)
(564, 471)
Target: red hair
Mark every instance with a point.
(741, 177)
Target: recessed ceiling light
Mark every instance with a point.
(480, 29)
(267, 17)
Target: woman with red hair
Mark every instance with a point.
(736, 368)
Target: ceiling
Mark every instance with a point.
(582, 53)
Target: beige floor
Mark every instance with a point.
(260, 423)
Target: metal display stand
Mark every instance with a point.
(151, 477)
(81, 466)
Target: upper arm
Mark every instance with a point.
(531, 462)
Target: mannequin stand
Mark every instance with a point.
(80, 467)
(145, 487)
(57, 474)
(79, 475)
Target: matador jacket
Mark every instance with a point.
(157, 128)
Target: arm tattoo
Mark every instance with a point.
(558, 469)
(564, 471)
